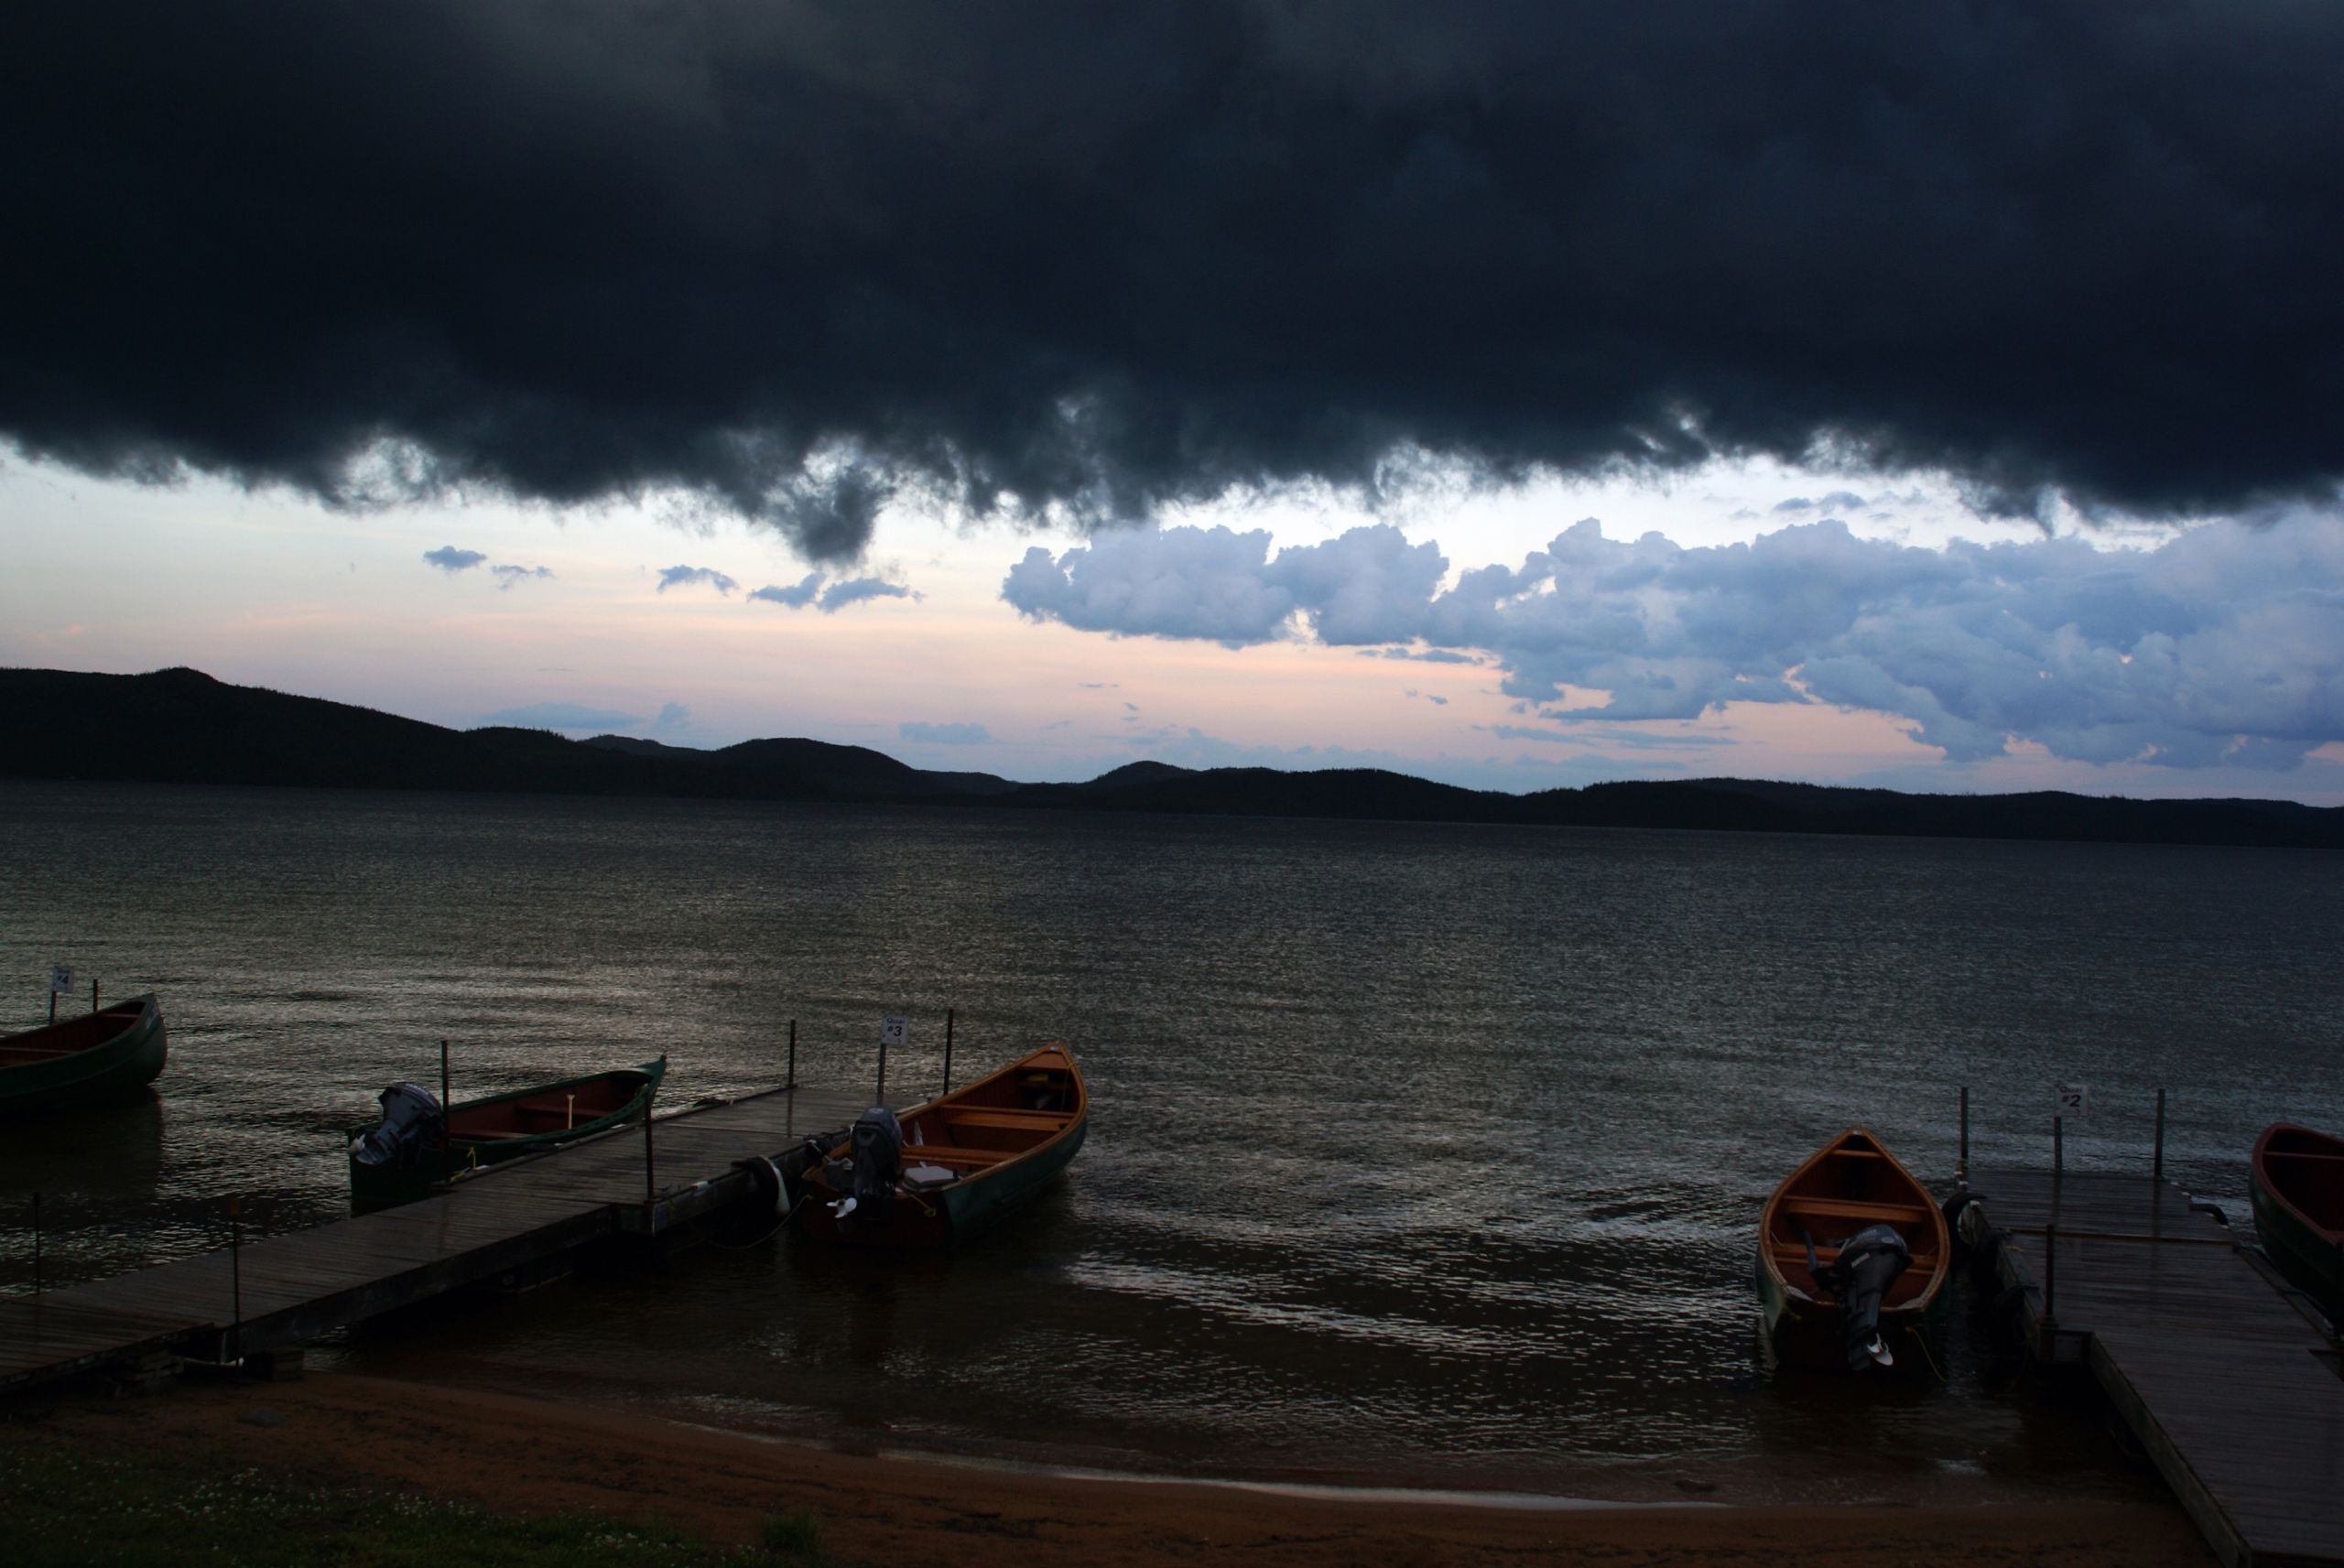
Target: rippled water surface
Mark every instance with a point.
(1422, 1152)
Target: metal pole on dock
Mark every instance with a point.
(650, 1192)
(2156, 1161)
(236, 1283)
(879, 1094)
(443, 1075)
(948, 1049)
(94, 994)
(2050, 1286)
(53, 1007)
(35, 1244)
(793, 1054)
(2058, 1147)
(1961, 1169)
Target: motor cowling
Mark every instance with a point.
(1869, 1262)
(876, 1148)
(411, 1118)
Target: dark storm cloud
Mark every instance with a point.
(794, 259)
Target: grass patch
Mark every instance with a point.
(793, 1538)
(68, 1503)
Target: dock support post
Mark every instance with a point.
(2156, 1160)
(93, 993)
(2050, 1290)
(235, 1284)
(36, 1246)
(879, 1094)
(650, 1191)
(443, 1075)
(948, 1049)
(793, 1054)
(2058, 1149)
(53, 1007)
(1961, 1167)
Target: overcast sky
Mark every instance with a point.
(1940, 394)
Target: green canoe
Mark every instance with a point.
(472, 1135)
(2296, 1179)
(99, 1055)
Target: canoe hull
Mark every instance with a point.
(123, 1062)
(1848, 1184)
(1802, 1332)
(2288, 1211)
(966, 1208)
(430, 1168)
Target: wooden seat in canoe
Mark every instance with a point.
(990, 1117)
(953, 1154)
(1825, 1251)
(1849, 1186)
(1852, 1208)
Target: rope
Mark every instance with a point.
(778, 1226)
(1921, 1338)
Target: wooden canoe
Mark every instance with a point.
(496, 1127)
(97, 1056)
(986, 1149)
(1850, 1183)
(2296, 1179)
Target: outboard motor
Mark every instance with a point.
(877, 1148)
(411, 1118)
(1868, 1264)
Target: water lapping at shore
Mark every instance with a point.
(1416, 1149)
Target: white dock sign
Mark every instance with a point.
(60, 978)
(895, 1031)
(2070, 1101)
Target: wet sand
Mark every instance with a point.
(525, 1455)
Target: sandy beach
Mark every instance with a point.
(527, 1457)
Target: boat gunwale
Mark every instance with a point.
(115, 1066)
(2258, 1172)
(147, 1010)
(1942, 1269)
(1010, 1158)
(652, 1073)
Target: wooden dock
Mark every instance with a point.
(514, 1221)
(2228, 1378)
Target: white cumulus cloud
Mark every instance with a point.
(2223, 644)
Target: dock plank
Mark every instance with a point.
(296, 1285)
(2226, 1381)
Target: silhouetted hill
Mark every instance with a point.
(1135, 772)
(180, 726)
(855, 772)
(858, 770)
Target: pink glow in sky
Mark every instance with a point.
(559, 619)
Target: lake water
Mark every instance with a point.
(1424, 1154)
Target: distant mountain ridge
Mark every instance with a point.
(180, 726)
